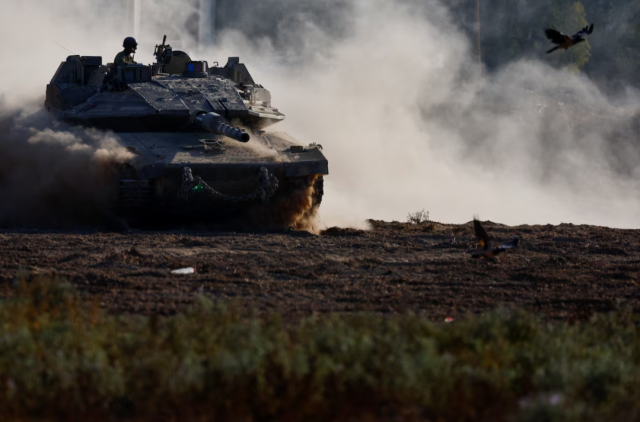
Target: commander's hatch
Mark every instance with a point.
(134, 73)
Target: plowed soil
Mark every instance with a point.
(559, 272)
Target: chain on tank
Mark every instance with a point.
(266, 182)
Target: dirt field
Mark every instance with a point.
(563, 271)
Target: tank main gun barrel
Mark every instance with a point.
(215, 123)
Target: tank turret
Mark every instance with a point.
(181, 115)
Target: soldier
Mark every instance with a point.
(124, 57)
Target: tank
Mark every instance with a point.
(198, 140)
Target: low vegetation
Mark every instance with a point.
(61, 359)
(418, 217)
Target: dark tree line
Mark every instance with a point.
(510, 29)
(514, 29)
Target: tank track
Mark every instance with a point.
(134, 194)
(137, 205)
(318, 191)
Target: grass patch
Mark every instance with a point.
(63, 358)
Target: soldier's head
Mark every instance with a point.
(130, 45)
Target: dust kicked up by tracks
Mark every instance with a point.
(563, 271)
(54, 175)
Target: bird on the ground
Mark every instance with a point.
(565, 41)
(486, 250)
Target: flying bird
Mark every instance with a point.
(565, 41)
(486, 250)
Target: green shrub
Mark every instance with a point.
(63, 358)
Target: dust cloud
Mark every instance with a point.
(407, 124)
(393, 95)
(52, 175)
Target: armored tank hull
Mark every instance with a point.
(197, 141)
(269, 182)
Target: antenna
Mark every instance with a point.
(64, 47)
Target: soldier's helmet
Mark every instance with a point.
(130, 42)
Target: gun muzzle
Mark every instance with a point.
(215, 123)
